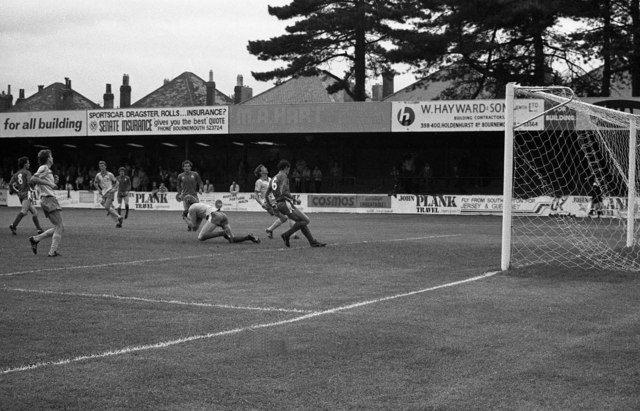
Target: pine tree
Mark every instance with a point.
(326, 31)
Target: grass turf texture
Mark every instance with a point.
(534, 338)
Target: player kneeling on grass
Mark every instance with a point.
(213, 217)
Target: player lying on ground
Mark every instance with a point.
(213, 218)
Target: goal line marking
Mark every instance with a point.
(191, 257)
(155, 301)
(170, 343)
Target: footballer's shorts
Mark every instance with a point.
(219, 219)
(284, 208)
(107, 197)
(49, 204)
(122, 196)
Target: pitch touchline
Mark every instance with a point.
(151, 300)
(190, 257)
(165, 344)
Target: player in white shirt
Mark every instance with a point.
(213, 217)
(47, 182)
(261, 186)
(107, 186)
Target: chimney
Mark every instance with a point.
(125, 92)
(108, 97)
(387, 84)
(376, 92)
(6, 100)
(20, 98)
(40, 87)
(67, 95)
(240, 92)
(166, 81)
(211, 90)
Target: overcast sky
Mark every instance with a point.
(95, 42)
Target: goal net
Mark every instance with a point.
(571, 175)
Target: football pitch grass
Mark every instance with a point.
(397, 312)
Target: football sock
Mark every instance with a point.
(55, 242)
(307, 233)
(17, 220)
(44, 235)
(36, 222)
(297, 226)
(275, 225)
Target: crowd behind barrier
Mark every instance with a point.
(409, 176)
(401, 203)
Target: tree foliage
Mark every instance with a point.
(479, 45)
(324, 31)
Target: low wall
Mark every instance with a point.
(352, 203)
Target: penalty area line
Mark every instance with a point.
(170, 343)
(155, 301)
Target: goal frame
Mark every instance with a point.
(507, 204)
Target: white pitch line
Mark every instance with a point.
(156, 301)
(165, 344)
(190, 257)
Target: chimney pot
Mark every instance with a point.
(21, 95)
(387, 84)
(210, 75)
(240, 80)
(125, 92)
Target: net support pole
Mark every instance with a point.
(631, 208)
(507, 182)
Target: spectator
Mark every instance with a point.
(317, 179)
(173, 181)
(208, 186)
(297, 180)
(144, 180)
(135, 181)
(427, 176)
(336, 176)
(80, 181)
(306, 179)
(162, 188)
(154, 192)
(234, 189)
(407, 174)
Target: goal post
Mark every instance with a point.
(570, 182)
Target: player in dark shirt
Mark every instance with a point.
(286, 204)
(124, 186)
(19, 184)
(189, 184)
